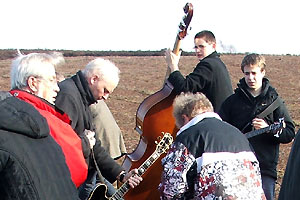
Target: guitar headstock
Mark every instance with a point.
(184, 24)
(164, 143)
(277, 127)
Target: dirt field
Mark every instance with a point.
(142, 76)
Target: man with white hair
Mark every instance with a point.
(41, 156)
(95, 82)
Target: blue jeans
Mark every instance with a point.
(86, 188)
(268, 184)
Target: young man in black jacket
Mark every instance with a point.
(252, 96)
(210, 76)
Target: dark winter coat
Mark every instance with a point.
(74, 98)
(61, 132)
(210, 77)
(239, 110)
(32, 164)
(291, 180)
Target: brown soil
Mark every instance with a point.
(142, 76)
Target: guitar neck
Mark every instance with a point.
(141, 170)
(259, 131)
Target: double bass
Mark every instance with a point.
(154, 116)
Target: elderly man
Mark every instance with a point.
(209, 158)
(41, 156)
(95, 82)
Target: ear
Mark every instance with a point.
(214, 45)
(94, 79)
(263, 73)
(186, 119)
(32, 84)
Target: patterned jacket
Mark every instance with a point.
(210, 159)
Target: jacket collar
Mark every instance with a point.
(40, 103)
(243, 87)
(213, 54)
(84, 89)
(197, 119)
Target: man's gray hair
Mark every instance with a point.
(106, 69)
(33, 64)
(191, 105)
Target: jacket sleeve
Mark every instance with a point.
(195, 81)
(176, 164)
(224, 111)
(109, 168)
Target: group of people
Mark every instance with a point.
(50, 147)
(211, 159)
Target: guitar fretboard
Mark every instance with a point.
(258, 132)
(141, 170)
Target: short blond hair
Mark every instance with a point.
(254, 59)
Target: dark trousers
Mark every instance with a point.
(268, 184)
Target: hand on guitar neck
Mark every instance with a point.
(132, 177)
(275, 129)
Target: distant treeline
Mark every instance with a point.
(11, 53)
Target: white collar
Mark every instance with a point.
(197, 119)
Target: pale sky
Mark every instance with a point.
(260, 26)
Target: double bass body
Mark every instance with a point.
(153, 117)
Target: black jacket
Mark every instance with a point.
(74, 98)
(210, 77)
(32, 164)
(291, 180)
(239, 110)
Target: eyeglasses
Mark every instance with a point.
(51, 80)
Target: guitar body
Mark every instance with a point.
(99, 192)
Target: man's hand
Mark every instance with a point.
(91, 137)
(172, 60)
(133, 178)
(259, 123)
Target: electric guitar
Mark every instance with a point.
(277, 126)
(99, 192)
